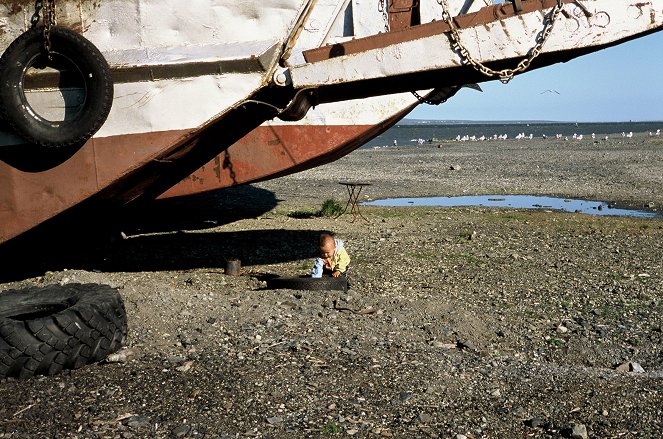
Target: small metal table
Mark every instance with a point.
(354, 189)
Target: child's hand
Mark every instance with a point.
(336, 273)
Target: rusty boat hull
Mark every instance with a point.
(275, 149)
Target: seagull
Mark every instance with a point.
(550, 90)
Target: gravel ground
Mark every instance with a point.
(461, 322)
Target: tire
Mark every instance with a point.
(309, 283)
(44, 330)
(84, 59)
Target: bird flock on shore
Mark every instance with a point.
(523, 136)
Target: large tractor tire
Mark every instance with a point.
(44, 330)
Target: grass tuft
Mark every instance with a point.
(330, 207)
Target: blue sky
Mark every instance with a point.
(619, 84)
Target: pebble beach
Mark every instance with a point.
(462, 322)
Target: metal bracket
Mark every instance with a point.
(299, 105)
(517, 6)
(584, 8)
(282, 77)
(395, 9)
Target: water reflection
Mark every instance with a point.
(516, 201)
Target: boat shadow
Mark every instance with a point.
(195, 250)
(198, 211)
(170, 234)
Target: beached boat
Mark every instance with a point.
(134, 95)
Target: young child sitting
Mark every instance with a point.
(333, 260)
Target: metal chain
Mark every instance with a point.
(228, 164)
(34, 20)
(505, 75)
(49, 21)
(383, 7)
(425, 100)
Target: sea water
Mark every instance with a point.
(409, 132)
(516, 201)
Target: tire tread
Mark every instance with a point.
(93, 326)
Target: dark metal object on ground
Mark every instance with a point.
(233, 267)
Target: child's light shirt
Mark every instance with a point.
(338, 262)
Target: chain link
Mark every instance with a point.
(505, 75)
(425, 100)
(49, 21)
(228, 164)
(383, 7)
(34, 20)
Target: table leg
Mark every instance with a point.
(350, 192)
(355, 204)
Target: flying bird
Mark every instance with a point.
(550, 90)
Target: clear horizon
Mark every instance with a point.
(614, 85)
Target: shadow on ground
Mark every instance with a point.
(200, 211)
(168, 234)
(189, 250)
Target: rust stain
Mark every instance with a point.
(486, 15)
(217, 167)
(15, 8)
(39, 192)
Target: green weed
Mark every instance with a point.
(330, 428)
(330, 207)
(557, 342)
(471, 259)
(616, 276)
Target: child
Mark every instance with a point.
(333, 259)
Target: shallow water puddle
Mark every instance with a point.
(516, 202)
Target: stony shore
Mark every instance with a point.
(461, 322)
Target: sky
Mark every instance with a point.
(617, 84)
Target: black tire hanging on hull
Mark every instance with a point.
(79, 55)
(44, 330)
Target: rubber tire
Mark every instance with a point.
(44, 330)
(94, 71)
(309, 283)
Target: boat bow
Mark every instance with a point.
(451, 51)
